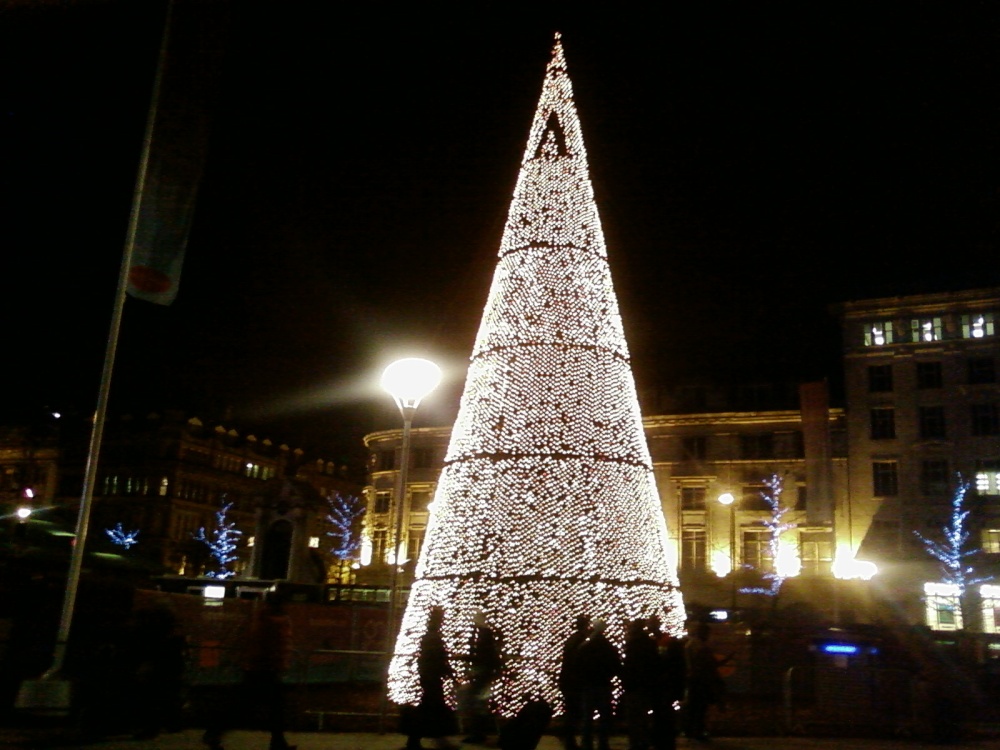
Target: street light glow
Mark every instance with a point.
(410, 380)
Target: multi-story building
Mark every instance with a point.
(698, 457)
(923, 405)
(428, 447)
(168, 476)
(713, 470)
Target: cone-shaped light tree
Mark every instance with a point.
(547, 506)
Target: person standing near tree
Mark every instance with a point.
(570, 681)
(704, 684)
(599, 664)
(640, 684)
(434, 717)
(485, 663)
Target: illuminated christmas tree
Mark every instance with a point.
(547, 506)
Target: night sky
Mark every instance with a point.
(754, 163)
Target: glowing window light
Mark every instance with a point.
(989, 595)
(846, 567)
(314, 542)
(943, 607)
(366, 550)
(547, 506)
(214, 592)
(879, 333)
(721, 563)
(787, 563)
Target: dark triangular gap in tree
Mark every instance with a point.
(552, 126)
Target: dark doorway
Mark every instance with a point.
(277, 551)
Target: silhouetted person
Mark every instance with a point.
(640, 684)
(671, 680)
(159, 654)
(434, 718)
(485, 662)
(267, 655)
(599, 662)
(570, 683)
(704, 685)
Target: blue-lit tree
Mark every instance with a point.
(954, 553)
(122, 538)
(222, 545)
(776, 524)
(344, 529)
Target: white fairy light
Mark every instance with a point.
(547, 506)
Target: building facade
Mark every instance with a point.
(697, 458)
(923, 405)
(168, 476)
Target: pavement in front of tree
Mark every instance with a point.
(190, 739)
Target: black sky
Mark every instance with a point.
(754, 163)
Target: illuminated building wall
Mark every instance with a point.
(922, 377)
(547, 505)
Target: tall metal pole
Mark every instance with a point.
(100, 412)
(390, 625)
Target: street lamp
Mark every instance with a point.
(729, 500)
(408, 381)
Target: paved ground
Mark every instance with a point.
(245, 740)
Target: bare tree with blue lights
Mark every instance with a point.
(222, 545)
(953, 553)
(344, 525)
(776, 526)
(122, 538)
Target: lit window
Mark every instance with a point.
(942, 606)
(878, 333)
(164, 486)
(693, 548)
(988, 478)
(816, 552)
(314, 542)
(977, 326)
(925, 329)
(989, 594)
(991, 541)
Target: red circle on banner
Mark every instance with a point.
(149, 280)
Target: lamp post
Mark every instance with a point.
(408, 381)
(729, 500)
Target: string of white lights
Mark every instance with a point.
(547, 506)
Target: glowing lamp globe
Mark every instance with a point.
(726, 498)
(410, 380)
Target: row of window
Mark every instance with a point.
(930, 375)
(984, 420)
(815, 550)
(115, 484)
(381, 551)
(935, 477)
(420, 458)
(928, 329)
(755, 446)
(419, 501)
